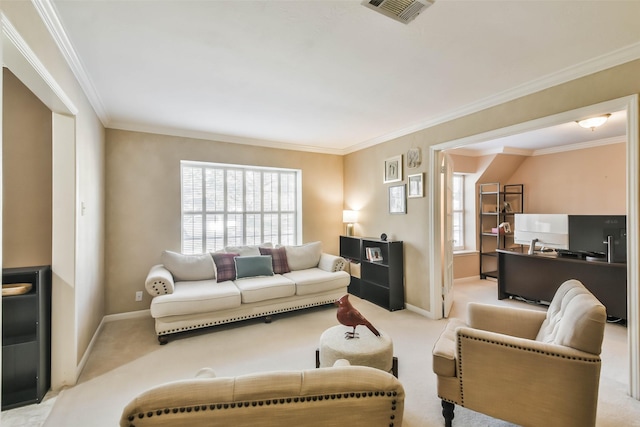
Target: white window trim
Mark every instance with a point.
(462, 247)
(297, 236)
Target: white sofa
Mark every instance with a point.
(197, 291)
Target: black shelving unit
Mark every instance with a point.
(497, 205)
(381, 282)
(26, 337)
(351, 250)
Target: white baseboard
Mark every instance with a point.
(420, 311)
(139, 314)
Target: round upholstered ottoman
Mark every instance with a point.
(366, 350)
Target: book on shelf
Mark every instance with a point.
(374, 254)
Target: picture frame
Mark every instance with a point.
(397, 200)
(393, 169)
(414, 157)
(374, 254)
(416, 185)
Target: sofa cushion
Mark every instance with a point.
(193, 297)
(253, 266)
(225, 266)
(254, 289)
(247, 250)
(314, 280)
(188, 267)
(279, 259)
(304, 256)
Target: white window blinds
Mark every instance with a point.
(228, 205)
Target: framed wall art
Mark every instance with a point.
(414, 157)
(397, 200)
(393, 169)
(416, 185)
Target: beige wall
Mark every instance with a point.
(143, 201)
(26, 174)
(362, 169)
(591, 181)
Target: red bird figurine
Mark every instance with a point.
(349, 316)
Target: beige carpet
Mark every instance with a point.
(127, 360)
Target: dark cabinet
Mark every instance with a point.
(381, 276)
(26, 337)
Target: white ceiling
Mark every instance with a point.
(329, 76)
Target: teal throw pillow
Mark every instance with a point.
(252, 266)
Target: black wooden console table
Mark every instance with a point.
(537, 277)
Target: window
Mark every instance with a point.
(458, 212)
(229, 205)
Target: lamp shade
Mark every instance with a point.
(349, 217)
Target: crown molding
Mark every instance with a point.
(470, 152)
(591, 66)
(581, 145)
(50, 18)
(211, 136)
(17, 54)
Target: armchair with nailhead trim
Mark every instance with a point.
(341, 395)
(524, 366)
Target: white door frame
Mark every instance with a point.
(20, 59)
(628, 103)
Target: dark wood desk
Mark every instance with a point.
(537, 277)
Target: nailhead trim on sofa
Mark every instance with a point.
(518, 347)
(268, 402)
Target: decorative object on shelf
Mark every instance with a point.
(16, 289)
(374, 254)
(393, 169)
(506, 207)
(383, 237)
(416, 185)
(593, 122)
(349, 218)
(414, 157)
(397, 202)
(349, 316)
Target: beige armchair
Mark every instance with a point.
(523, 366)
(341, 395)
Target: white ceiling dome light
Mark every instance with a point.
(593, 122)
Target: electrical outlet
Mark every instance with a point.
(139, 296)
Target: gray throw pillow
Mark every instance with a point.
(253, 266)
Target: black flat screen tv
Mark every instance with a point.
(588, 233)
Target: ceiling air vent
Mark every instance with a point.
(400, 10)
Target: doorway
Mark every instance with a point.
(630, 105)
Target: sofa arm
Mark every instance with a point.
(511, 321)
(159, 281)
(331, 263)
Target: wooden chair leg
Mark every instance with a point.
(447, 412)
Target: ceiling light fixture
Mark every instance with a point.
(593, 122)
